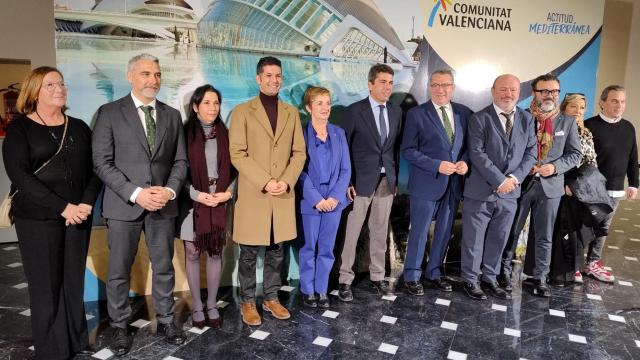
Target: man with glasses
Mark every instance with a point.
(614, 140)
(434, 145)
(558, 151)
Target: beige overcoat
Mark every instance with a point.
(260, 156)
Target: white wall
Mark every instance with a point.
(27, 28)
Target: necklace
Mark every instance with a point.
(55, 138)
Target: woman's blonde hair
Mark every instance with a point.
(571, 97)
(30, 89)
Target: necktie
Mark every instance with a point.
(447, 124)
(508, 125)
(151, 126)
(383, 125)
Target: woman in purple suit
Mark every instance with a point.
(323, 182)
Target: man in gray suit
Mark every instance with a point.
(139, 154)
(558, 151)
(502, 148)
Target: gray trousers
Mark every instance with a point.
(543, 217)
(123, 238)
(379, 204)
(485, 228)
(596, 246)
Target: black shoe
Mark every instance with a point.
(505, 282)
(414, 288)
(120, 341)
(540, 288)
(309, 300)
(474, 291)
(496, 291)
(323, 301)
(557, 283)
(86, 352)
(171, 333)
(439, 283)
(344, 292)
(382, 286)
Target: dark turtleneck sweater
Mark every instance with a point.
(270, 104)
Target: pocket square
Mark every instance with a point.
(559, 133)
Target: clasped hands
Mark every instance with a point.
(76, 214)
(153, 198)
(327, 205)
(276, 188)
(544, 170)
(448, 168)
(214, 199)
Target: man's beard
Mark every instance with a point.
(547, 106)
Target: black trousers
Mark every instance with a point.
(54, 258)
(271, 280)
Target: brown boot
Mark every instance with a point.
(276, 309)
(250, 314)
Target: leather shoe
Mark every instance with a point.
(172, 334)
(440, 284)
(414, 288)
(540, 288)
(382, 286)
(344, 292)
(250, 314)
(505, 282)
(86, 352)
(323, 301)
(309, 300)
(474, 291)
(120, 341)
(276, 309)
(199, 324)
(496, 291)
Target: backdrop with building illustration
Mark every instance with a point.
(330, 43)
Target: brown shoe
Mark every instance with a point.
(276, 309)
(250, 314)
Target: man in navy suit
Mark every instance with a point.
(502, 149)
(434, 145)
(372, 126)
(558, 151)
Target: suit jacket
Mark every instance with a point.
(425, 145)
(368, 155)
(340, 167)
(493, 156)
(259, 155)
(123, 161)
(565, 154)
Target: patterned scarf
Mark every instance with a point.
(544, 129)
(209, 222)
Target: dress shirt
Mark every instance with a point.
(138, 104)
(449, 110)
(503, 122)
(375, 107)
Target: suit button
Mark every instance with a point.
(275, 166)
(275, 145)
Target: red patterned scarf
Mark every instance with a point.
(209, 222)
(544, 129)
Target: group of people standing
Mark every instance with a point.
(173, 180)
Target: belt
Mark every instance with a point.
(213, 182)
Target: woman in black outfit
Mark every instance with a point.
(51, 210)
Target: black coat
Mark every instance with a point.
(588, 186)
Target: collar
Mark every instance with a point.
(498, 110)
(447, 106)
(268, 99)
(610, 119)
(375, 104)
(138, 103)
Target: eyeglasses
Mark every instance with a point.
(545, 92)
(50, 87)
(442, 86)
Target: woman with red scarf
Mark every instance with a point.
(203, 225)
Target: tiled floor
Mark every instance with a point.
(589, 321)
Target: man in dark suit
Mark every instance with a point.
(434, 145)
(558, 151)
(502, 148)
(139, 154)
(372, 126)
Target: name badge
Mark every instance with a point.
(560, 133)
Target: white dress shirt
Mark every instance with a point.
(375, 107)
(449, 111)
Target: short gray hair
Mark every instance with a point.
(441, 72)
(608, 89)
(137, 58)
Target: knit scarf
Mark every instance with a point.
(544, 129)
(208, 222)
